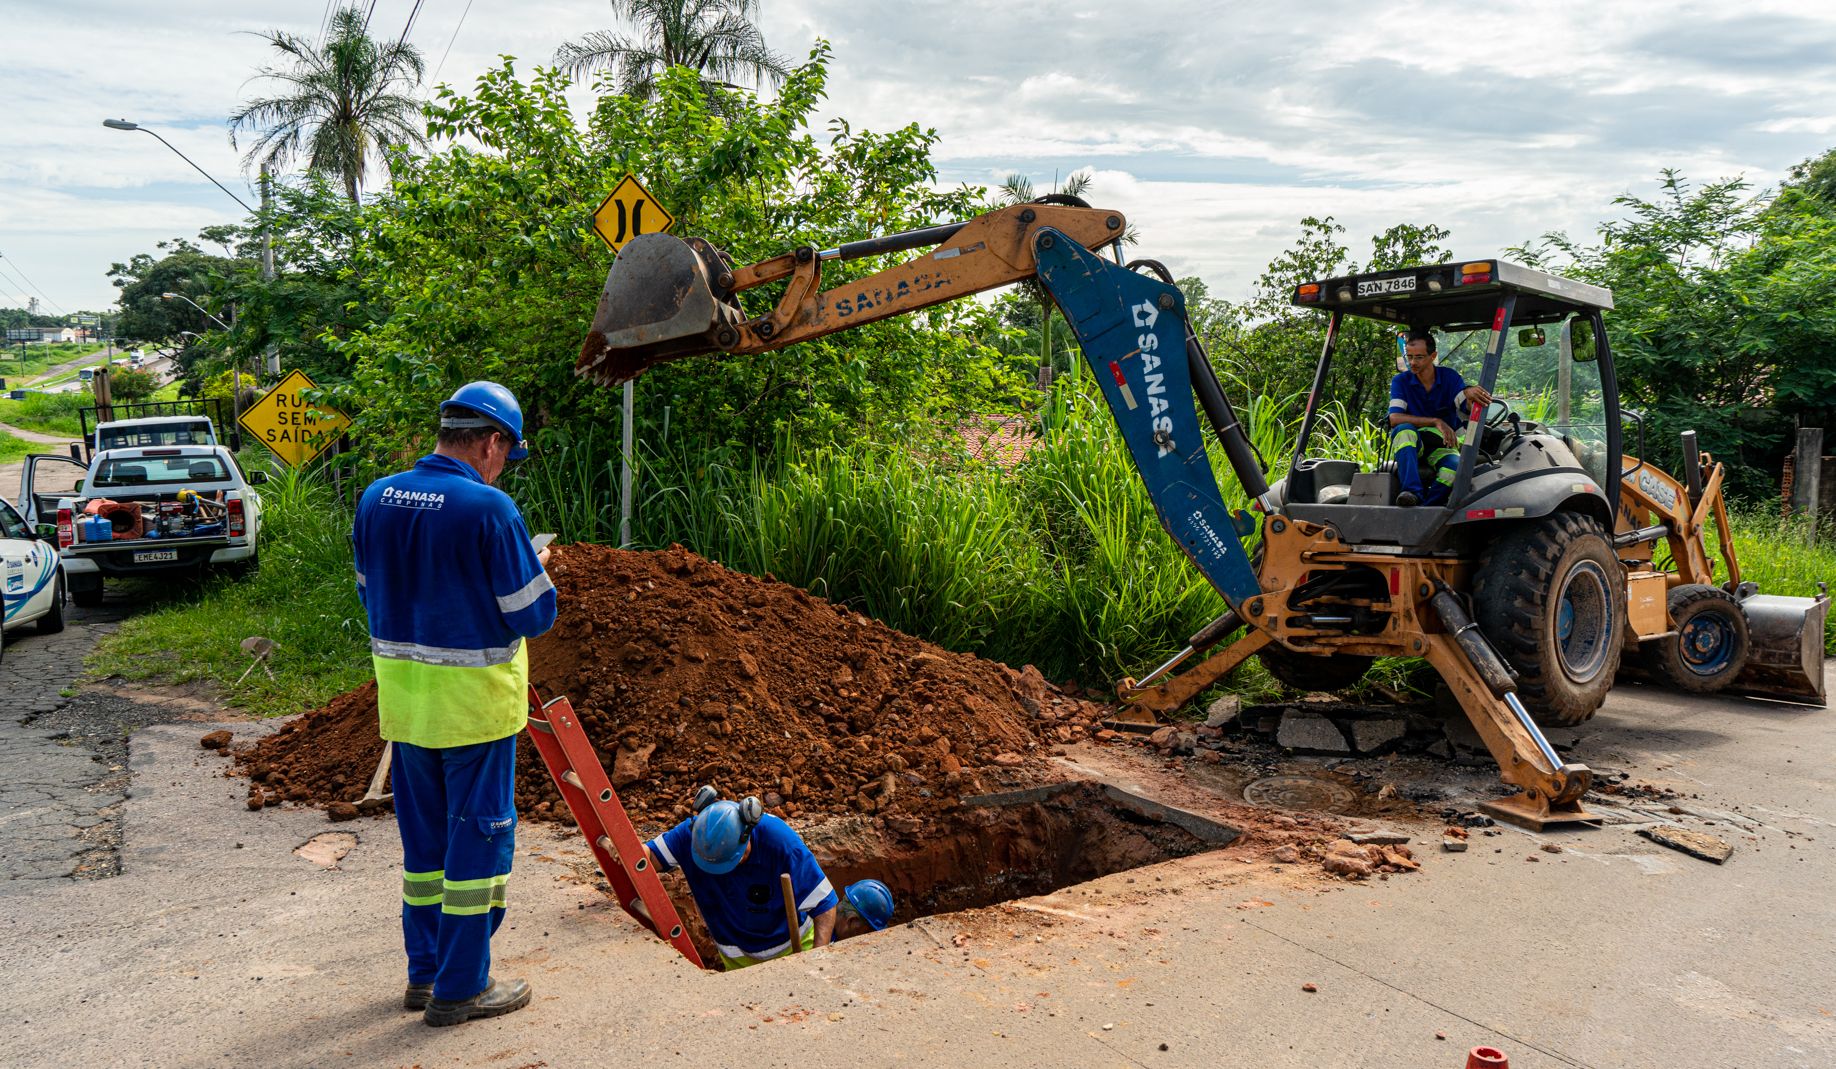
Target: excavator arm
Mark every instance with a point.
(667, 299)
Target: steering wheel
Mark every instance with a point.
(1497, 412)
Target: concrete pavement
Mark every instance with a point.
(217, 946)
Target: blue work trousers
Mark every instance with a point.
(1406, 443)
(456, 808)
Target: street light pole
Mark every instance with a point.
(123, 124)
(267, 238)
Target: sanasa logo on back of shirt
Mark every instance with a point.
(412, 499)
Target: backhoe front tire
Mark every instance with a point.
(1550, 595)
(1710, 646)
(1311, 673)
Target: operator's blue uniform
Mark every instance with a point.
(1409, 397)
(452, 587)
(744, 908)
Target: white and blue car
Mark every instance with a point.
(31, 577)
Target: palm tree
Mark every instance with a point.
(716, 38)
(1018, 189)
(340, 103)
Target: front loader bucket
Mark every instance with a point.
(657, 305)
(1787, 648)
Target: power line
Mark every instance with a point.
(449, 42)
(34, 285)
(366, 16)
(409, 25)
(325, 20)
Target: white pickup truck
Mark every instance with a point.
(144, 510)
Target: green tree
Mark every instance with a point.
(126, 384)
(480, 255)
(1724, 303)
(185, 268)
(1275, 354)
(714, 38)
(339, 104)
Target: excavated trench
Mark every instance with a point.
(1031, 842)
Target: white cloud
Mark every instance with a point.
(1216, 126)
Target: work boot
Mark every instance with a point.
(494, 1001)
(1407, 499)
(417, 996)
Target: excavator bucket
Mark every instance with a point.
(658, 305)
(1787, 648)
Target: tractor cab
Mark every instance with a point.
(1548, 442)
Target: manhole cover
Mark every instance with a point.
(1300, 792)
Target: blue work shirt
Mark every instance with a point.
(1409, 397)
(744, 908)
(451, 587)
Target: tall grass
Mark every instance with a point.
(303, 596)
(46, 413)
(1061, 562)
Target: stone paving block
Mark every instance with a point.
(1310, 733)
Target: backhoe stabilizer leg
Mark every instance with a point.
(1552, 788)
(1169, 694)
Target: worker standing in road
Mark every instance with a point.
(733, 854)
(452, 587)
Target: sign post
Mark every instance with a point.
(294, 429)
(627, 212)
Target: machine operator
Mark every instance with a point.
(1427, 406)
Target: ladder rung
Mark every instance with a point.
(572, 779)
(604, 842)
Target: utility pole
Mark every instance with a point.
(267, 265)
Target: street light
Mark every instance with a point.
(267, 239)
(123, 124)
(194, 304)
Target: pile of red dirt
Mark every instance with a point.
(684, 673)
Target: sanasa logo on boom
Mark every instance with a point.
(1148, 342)
(412, 499)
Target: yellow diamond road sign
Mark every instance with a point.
(294, 429)
(629, 210)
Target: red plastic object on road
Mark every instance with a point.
(1486, 1058)
(570, 759)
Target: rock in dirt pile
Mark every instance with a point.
(683, 673)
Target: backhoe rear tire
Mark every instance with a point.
(1549, 596)
(1710, 646)
(1311, 673)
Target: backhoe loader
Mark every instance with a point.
(1513, 588)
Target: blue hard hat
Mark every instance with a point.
(872, 901)
(495, 404)
(719, 836)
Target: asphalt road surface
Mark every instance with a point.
(272, 938)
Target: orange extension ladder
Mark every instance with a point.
(570, 759)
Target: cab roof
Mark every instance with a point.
(1457, 294)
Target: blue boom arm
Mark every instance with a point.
(1132, 329)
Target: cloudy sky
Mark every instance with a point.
(1215, 126)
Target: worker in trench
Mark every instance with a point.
(866, 906)
(452, 587)
(733, 855)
